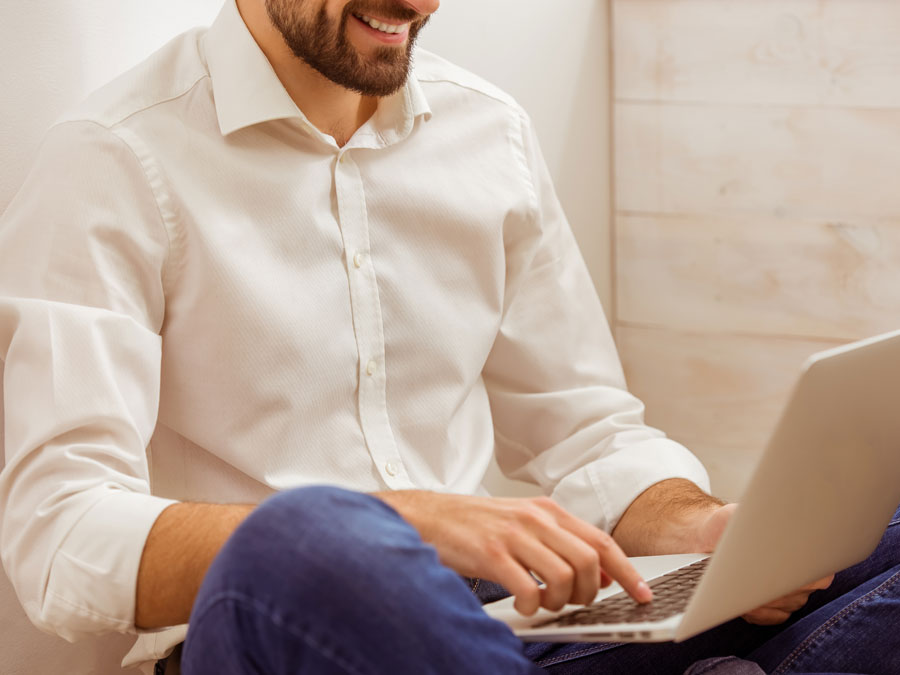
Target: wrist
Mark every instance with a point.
(409, 504)
(674, 516)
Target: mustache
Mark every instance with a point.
(383, 10)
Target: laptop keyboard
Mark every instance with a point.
(671, 593)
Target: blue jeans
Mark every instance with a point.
(326, 581)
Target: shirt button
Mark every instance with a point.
(357, 260)
(343, 158)
(371, 367)
(391, 469)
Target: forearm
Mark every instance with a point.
(674, 516)
(180, 548)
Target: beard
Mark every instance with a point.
(322, 44)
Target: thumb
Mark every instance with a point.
(714, 525)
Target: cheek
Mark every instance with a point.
(334, 8)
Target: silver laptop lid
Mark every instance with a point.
(822, 493)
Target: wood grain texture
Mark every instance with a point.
(794, 162)
(720, 395)
(759, 274)
(793, 52)
(755, 152)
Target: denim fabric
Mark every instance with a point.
(326, 581)
(321, 580)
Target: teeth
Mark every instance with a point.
(383, 27)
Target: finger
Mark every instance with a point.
(557, 574)
(616, 564)
(789, 603)
(821, 584)
(580, 556)
(766, 616)
(794, 601)
(613, 560)
(518, 581)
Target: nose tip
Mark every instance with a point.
(423, 7)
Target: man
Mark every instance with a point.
(272, 256)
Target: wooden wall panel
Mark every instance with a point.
(794, 52)
(821, 162)
(718, 394)
(759, 274)
(756, 145)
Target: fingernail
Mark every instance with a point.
(643, 592)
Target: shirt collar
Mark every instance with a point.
(247, 91)
(245, 87)
(416, 97)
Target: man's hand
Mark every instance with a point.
(778, 611)
(504, 540)
(772, 613)
(675, 516)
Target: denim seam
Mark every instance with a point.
(552, 661)
(265, 611)
(813, 637)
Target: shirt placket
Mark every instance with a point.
(365, 307)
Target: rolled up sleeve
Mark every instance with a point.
(563, 417)
(83, 255)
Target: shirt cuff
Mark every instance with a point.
(600, 492)
(93, 578)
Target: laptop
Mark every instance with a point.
(819, 501)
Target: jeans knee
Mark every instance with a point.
(326, 517)
(320, 575)
(314, 535)
(314, 503)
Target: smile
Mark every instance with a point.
(381, 26)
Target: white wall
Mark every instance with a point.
(553, 57)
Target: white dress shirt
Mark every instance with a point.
(203, 297)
